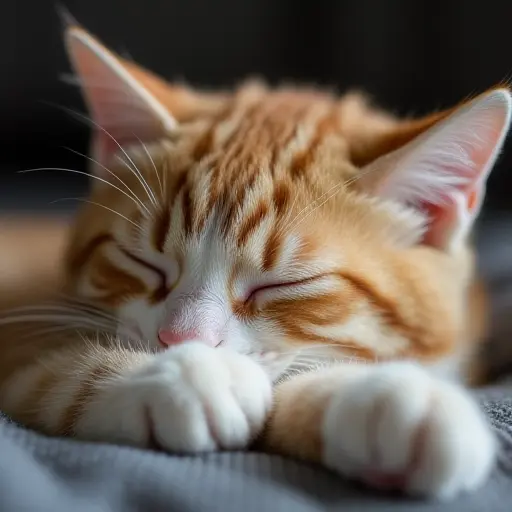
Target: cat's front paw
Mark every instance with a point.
(394, 426)
(191, 398)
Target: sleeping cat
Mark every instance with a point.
(278, 268)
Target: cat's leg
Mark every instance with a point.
(189, 398)
(389, 425)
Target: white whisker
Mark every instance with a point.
(317, 206)
(41, 317)
(310, 205)
(135, 196)
(338, 187)
(75, 171)
(39, 333)
(140, 178)
(154, 166)
(314, 204)
(135, 170)
(75, 304)
(138, 226)
(64, 307)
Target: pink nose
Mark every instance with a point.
(169, 337)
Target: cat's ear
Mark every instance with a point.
(443, 171)
(126, 103)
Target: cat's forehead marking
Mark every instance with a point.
(277, 131)
(250, 176)
(245, 167)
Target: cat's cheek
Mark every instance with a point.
(138, 322)
(239, 339)
(129, 330)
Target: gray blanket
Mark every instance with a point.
(54, 475)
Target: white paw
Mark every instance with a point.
(191, 398)
(394, 426)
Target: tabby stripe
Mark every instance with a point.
(80, 258)
(387, 307)
(205, 144)
(162, 291)
(288, 134)
(300, 334)
(302, 161)
(187, 203)
(110, 277)
(251, 223)
(235, 143)
(179, 185)
(161, 228)
(84, 394)
(202, 216)
(272, 250)
(242, 185)
(281, 198)
(421, 343)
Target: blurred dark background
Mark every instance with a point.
(412, 56)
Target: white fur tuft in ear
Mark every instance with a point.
(444, 170)
(118, 102)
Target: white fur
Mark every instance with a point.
(441, 160)
(386, 415)
(191, 398)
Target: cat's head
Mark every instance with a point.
(275, 220)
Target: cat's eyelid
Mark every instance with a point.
(167, 268)
(143, 262)
(276, 284)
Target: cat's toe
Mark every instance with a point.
(190, 399)
(457, 448)
(372, 423)
(395, 427)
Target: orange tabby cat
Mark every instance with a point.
(235, 240)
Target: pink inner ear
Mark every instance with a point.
(457, 208)
(445, 173)
(455, 215)
(442, 220)
(122, 110)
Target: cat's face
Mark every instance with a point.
(245, 256)
(245, 219)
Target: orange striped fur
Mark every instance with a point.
(255, 187)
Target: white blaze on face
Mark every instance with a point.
(199, 305)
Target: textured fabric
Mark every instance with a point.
(55, 475)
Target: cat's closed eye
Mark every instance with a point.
(166, 275)
(261, 293)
